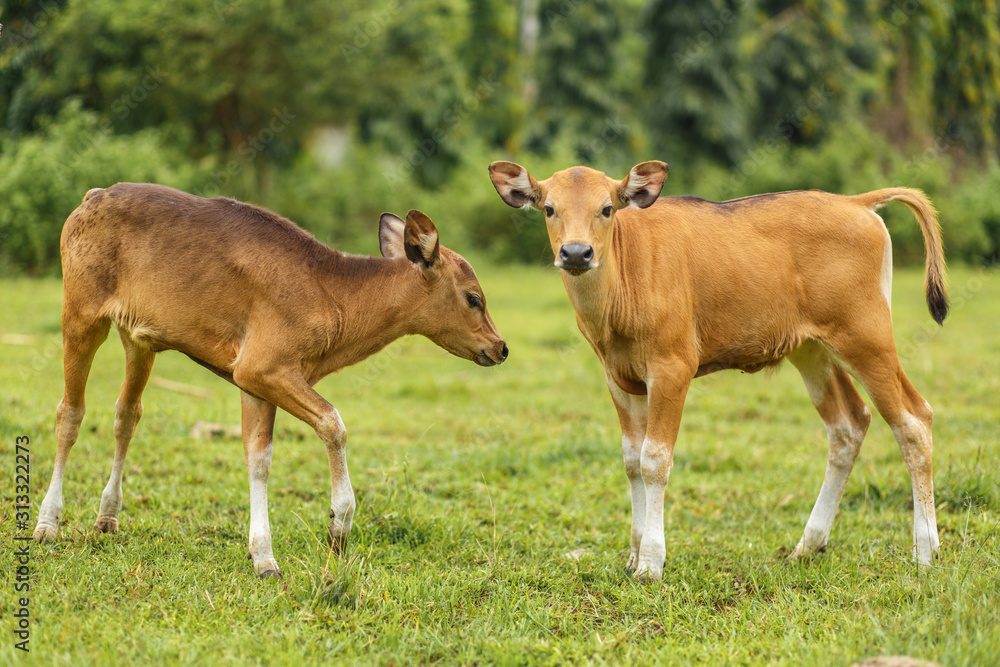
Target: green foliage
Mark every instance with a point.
(473, 487)
(967, 79)
(582, 79)
(45, 176)
(223, 69)
(235, 97)
(698, 83)
(341, 205)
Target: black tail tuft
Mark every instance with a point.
(937, 302)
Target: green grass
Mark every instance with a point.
(473, 484)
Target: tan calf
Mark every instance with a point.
(258, 301)
(666, 290)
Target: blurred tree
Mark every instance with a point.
(232, 74)
(907, 31)
(490, 55)
(585, 83)
(252, 77)
(23, 64)
(807, 58)
(967, 79)
(416, 97)
(45, 174)
(702, 95)
(728, 75)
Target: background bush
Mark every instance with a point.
(333, 112)
(46, 174)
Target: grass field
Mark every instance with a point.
(474, 484)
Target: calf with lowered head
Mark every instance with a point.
(258, 301)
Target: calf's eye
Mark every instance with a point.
(474, 301)
(606, 212)
(549, 211)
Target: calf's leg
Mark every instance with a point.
(633, 414)
(81, 338)
(667, 388)
(128, 411)
(258, 438)
(288, 390)
(870, 352)
(847, 418)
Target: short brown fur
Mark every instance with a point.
(680, 287)
(260, 302)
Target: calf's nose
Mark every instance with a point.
(576, 256)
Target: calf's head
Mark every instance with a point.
(454, 314)
(580, 205)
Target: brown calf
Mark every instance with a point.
(674, 288)
(260, 302)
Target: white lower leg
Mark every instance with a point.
(333, 433)
(342, 502)
(342, 506)
(111, 500)
(820, 522)
(845, 443)
(914, 438)
(50, 510)
(652, 549)
(126, 419)
(656, 466)
(925, 535)
(631, 456)
(68, 420)
(258, 469)
(638, 489)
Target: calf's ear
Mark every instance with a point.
(390, 235)
(642, 185)
(420, 240)
(515, 185)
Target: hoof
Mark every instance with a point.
(645, 578)
(45, 533)
(647, 575)
(266, 567)
(632, 564)
(338, 543)
(800, 553)
(107, 524)
(335, 535)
